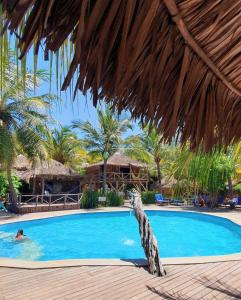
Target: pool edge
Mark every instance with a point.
(24, 264)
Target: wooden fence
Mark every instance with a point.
(51, 199)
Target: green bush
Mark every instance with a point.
(89, 199)
(114, 199)
(148, 197)
(237, 188)
(4, 188)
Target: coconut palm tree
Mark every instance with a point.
(64, 146)
(106, 139)
(23, 117)
(148, 147)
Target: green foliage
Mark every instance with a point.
(148, 197)
(148, 148)
(64, 146)
(4, 187)
(105, 139)
(203, 171)
(89, 199)
(183, 188)
(237, 188)
(114, 199)
(23, 116)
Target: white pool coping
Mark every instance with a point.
(16, 263)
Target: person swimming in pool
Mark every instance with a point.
(20, 236)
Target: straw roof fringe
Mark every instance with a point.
(173, 63)
(24, 169)
(118, 159)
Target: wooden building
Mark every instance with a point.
(49, 177)
(122, 171)
(46, 187)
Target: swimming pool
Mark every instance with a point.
(115, 235)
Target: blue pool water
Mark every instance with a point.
(115, 235)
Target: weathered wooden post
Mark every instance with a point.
(148, 240)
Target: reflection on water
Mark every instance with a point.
(128, 242)
(9, 237)
(30, 250)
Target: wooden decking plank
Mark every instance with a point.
(231, 280)
(75, 275)
(118, 290)
(178, 283)
(90, 288)
(116, 282)
(110, 292)
(215, 275)
(148, 280)
(77, 282)
(189, 284)
(35, 283)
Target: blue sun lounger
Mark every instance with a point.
(2, 207)
(233, 204)
(160, 199)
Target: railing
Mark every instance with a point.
(50, 199)
(118, 176)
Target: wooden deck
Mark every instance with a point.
(193, 282)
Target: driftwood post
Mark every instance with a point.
(148, 240)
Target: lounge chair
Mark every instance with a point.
(102, 200)
(160, 199)
(234, 203)
(2, 207)
(177, 202)
(220, 200)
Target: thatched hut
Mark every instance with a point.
(49, 177)
(121, 171)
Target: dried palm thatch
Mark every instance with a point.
(119, 159)
(173, 63)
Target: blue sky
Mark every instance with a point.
(79, 109)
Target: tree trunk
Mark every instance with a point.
(104, 175)
(213, 200)
(230, 187)
(13, 196)
(159, 178)
(148, 240)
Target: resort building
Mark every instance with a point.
(49, 177)
(47, 186)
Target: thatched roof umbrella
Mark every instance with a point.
(173, 63)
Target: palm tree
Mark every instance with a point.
(64, 146)
(149, 148)
(106, 139)
(23, 118)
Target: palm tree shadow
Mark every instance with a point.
(226, 290)
(168, 295)
(222, 287)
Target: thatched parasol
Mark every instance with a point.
(173, 63)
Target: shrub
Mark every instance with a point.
(237, 188)
(148, 197)
(89, 199)
(4, 188)
(114, 199)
